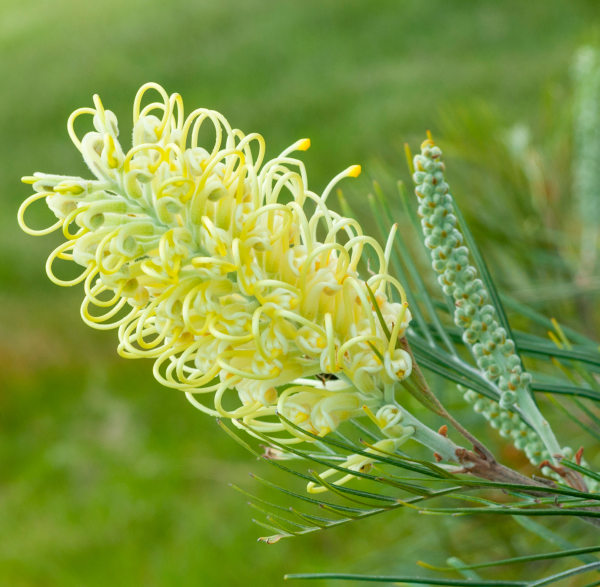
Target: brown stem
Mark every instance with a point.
(478, 465)
(481, 467)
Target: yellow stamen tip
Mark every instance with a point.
(304, 145)
(354, 171)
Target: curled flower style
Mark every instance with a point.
(239, 282)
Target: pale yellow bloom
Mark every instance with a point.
(358, 463)
(225, 269)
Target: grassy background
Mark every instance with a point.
(104, 476)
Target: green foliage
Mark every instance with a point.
(105, 475)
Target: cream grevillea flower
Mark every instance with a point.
(225, 269)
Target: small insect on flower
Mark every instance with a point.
(239, 282)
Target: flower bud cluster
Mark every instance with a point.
(238, 281)
(509, 425)
(493, 351)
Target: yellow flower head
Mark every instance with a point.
(225, 269)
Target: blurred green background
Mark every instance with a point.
(104, 475)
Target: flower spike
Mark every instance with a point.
(490, 344)
(223, 268)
